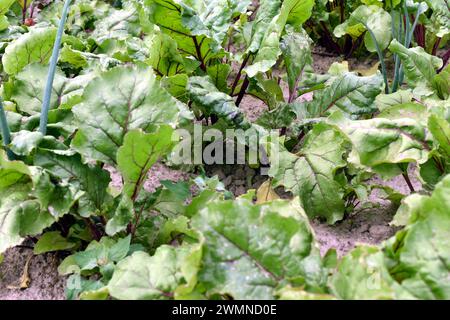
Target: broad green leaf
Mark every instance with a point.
(219, 74)
(164, 57)
(169, 273)
(382, 141)
(211, 101)
(52, 241)
(267, 11)
(310, 174)
(118, 25)
(415, 111)
(363, 274)
(419, 254)
(440, 19)
(20, 217)
(20, 214)
(299, 11)
(34, 46)
(352, 94)
(23, 142)
(383, 101)
(176, 20)
(98, 254)
(4, 5)
(120, 100)
(419, 67)
(87, 60)
(296, 50)
(28, 89)
(212, 18)
(440, 129)
(441, 83)
(268, 50)
(251, 250)
(12, 172)
(376, 19)
(92, 181)
(138, 154)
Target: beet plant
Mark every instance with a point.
(99, 94)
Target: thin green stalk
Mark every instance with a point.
(409, 37)
(398, 67)
(6, 135)
(407, 23)
(380, 56)
(52, 70)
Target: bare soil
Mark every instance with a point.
(44, 284)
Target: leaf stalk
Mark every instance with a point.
(52, 70)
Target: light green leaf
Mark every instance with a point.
(363, 274)
(382, 141)
(296, 49)
(120, 100)
(138, 154)
(23, 142)
(28, 89)
(169, 273)
(420, 254)
(251, 250)
(267, 49)
(299, 11)
(352, 94)
(176, 20)
(91, 180)
(52, 241)
(206, 96)
(117, 25)
(34, 46)
(419, 67)
(440, 129)
(212, 18)
(383, 101)
(310, 173)
(376, 19)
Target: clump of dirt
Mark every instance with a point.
(45, 283)
(252, 108)
(238, 179)
(370, 226)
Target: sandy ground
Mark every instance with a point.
(45, 284)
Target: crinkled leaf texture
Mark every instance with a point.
(20, 214)
(382, 141)
(170, 273)
(251, 250)
(137, 155)
(90, 182)
(419, 255)
(350, 93)
(183, 24)
(118, 101)
(310, 173)
(34, 46)
(376, 18)
(28, 89)
(363, 274)
(205, 94)
(420, 67)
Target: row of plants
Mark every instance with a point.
(108, 85)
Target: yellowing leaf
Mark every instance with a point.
(266, 193)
